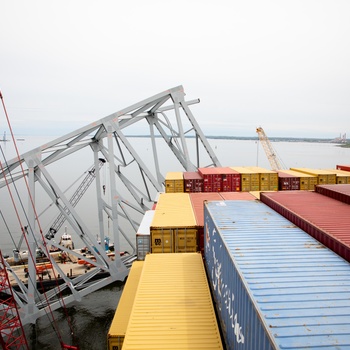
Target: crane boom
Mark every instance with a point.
(270, 153)
(61, 218)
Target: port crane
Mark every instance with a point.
(270, 152)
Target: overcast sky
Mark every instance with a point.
(282, 65)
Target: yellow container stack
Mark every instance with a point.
(324, 177)
(173, 308)
(173, 228)
(307, 181)
(174, 182)
(117, 330)
(249, 179)
(342, 176)
(268, 179)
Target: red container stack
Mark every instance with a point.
(220, 179)
(326, 219)
(212, 181)
(193, 182)
(197, 200)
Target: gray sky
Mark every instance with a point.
(282, 65)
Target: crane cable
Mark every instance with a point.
(40, 230)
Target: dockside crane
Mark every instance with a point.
(270, 152)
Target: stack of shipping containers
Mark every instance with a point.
(173, 227)
(268, 179)
(193, 182)
(249, 179)
(287, 182)
(323, 176)
(220, 179)
(322, 217)
(173, 308)
(275, 287)
(307, 182)
(343, 177)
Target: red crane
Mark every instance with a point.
(12, 335)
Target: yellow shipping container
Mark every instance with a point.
(249, 179)
(174, 182)
(173, 228)
(342, 176)
(117, 330)
(173, 308)
(324, 177)
(268, 179)
(307, 181)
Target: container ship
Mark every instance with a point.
(225, 257)
(274, 247)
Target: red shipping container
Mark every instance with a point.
(231, 180)
(288, 182)
(222, 179)
(193, 181)
(343, 167)
(241, 196)
(326, 219)
(212, 180)
(197, 200)
(340, 192)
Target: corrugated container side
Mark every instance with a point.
(193, 182)
(173, 308)
(324, 218)
(174, 182)
(162, 240)
(275, 287)
(343, 167)
(212, 180)
(173, 226)
(117, 330)
(268, 179)
(323, 176)
(343, 177)
(197, 200)
(231, 179)
(288, 182)
(338, 192)
(307, 181)
(250, 179)
(143, 244)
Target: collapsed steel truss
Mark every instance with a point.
(169, 122)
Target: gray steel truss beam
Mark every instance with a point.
(123, 190)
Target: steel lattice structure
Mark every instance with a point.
(133, 180)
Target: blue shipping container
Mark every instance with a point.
(275, 287)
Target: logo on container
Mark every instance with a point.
(222, 289)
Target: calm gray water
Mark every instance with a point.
(91, 318)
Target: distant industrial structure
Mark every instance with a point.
(340, 139)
